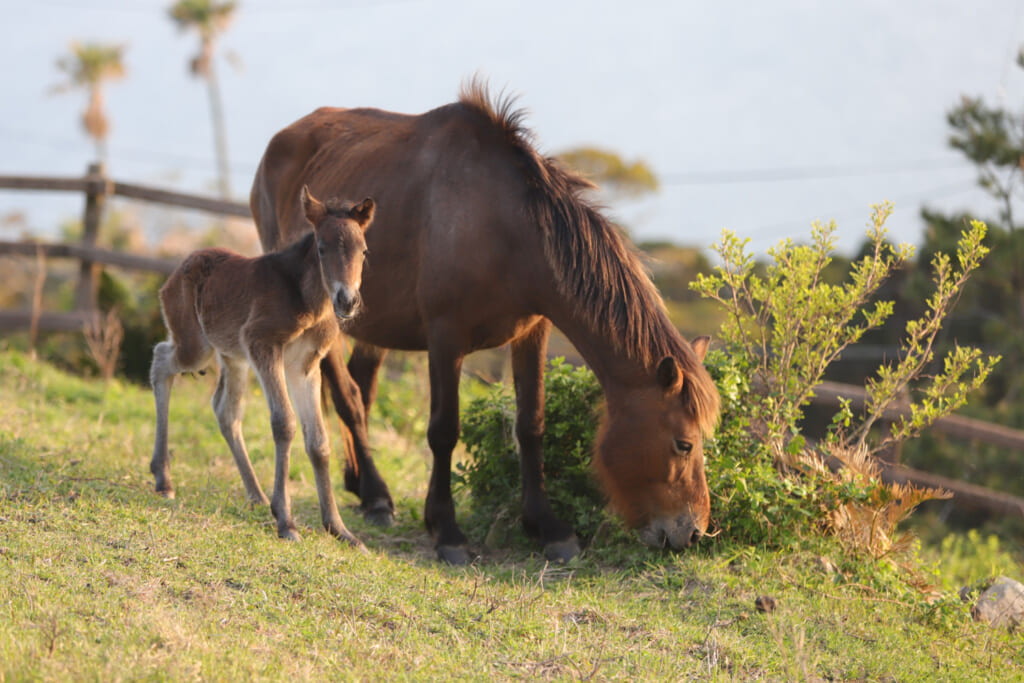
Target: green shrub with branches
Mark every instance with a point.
(786, 327)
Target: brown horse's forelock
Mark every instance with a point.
(594, 266)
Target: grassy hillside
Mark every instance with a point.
(102, 580)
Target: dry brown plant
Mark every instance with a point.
(104, 334)
(869, 525)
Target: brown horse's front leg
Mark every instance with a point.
(442, 435)
(361, 475)
(558, 538)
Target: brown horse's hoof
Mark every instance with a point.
(455, 555)
(289, 535)
(380, 514)
(166, 493)
(562, 551)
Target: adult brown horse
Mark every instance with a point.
(480, 241)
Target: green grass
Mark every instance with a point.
(102, 580)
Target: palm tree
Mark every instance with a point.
(210, 18)
(90, 66)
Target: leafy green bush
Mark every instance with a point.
(786, 326)
(492, 478)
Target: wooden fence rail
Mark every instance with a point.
(98, 184)
(96, 187)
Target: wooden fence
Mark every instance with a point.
(96, 187)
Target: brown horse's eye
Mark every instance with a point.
(682, 447)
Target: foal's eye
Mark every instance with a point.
(682, 446)
(320, 247)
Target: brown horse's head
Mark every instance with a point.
(650, 457)
(341, 245)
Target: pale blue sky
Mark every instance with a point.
(759, 117)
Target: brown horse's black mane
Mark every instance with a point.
(595, 266)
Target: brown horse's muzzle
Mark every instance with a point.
(677, 532)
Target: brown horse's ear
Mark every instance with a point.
(700, 346)
(670, 377)
(362, 213)
(312, 207)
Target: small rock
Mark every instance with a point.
(765, 603)
(1001, 605)
(826, 565)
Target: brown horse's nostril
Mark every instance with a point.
(695, 536)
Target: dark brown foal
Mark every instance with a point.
(279, 313)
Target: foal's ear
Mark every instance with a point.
(670, 377)
(312, 207)
(362, 213)
(700, 346)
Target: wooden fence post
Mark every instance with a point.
(95, 199)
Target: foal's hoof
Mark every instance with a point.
(166, 493)
(562, 551)
(289, 535)
(356, 544)
(379, 514)
(455, 555)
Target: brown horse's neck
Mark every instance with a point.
(613, 367)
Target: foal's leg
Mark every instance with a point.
(361, 475)
(185, 352)
(442, 435)
(528, 352)
(228, 402)
(304, 387)
(161, 377)
(269, 365)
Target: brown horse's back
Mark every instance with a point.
(450, 198)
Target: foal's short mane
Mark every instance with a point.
(336, 206)
(594, 266)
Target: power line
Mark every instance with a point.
(785, 174)
(727, 177)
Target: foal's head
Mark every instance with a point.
(341, 245)
(649, 453)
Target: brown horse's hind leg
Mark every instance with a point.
(539, 520)
(365, 481)
(442, 435)
(228, 402)
(363, 366)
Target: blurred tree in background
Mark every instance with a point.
(990, 313)
(617, 177)
(209, 19)
(89, 67)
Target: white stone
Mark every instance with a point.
(1002, 605)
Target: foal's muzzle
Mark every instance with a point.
(346, 303)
